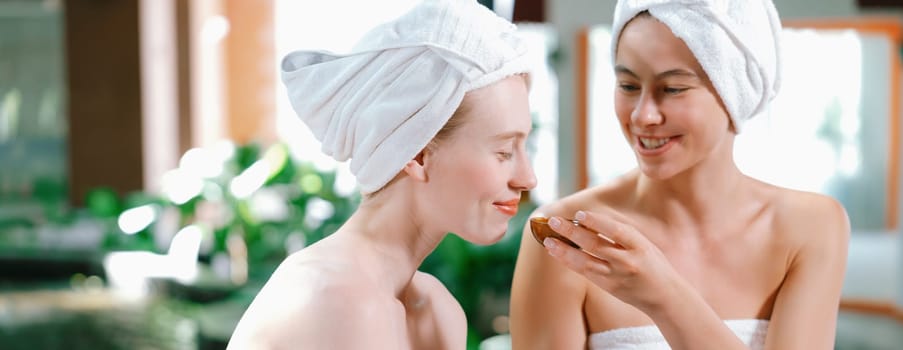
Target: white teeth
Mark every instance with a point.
(653, 143)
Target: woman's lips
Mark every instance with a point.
(508, 207)
(653, 146)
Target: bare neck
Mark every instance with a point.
(393, 238)
(697, 197)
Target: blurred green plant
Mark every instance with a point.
(262, 195)
(276, 204)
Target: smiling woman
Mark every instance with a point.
(431, 110)
(833, 130)
(703, 255)
(843, 138)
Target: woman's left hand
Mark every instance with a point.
(616, 257)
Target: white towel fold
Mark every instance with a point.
(737, 42)
(382, 103)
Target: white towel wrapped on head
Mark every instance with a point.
(382, 103)
(737, 43)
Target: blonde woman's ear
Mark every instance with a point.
(415, 168)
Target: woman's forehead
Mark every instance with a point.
(646, 43)
(492, 122)
(498, 106)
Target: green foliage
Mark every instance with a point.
(216, 209)
(294, 184)
(103, 202)
(473, 273)
(477, 274)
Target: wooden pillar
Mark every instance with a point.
(184, 41)
(529, 11)
(104, 103)
(122, 104)
(885, 4)
(250, 71)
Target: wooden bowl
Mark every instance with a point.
(540, 228)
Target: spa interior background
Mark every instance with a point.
(152, 174)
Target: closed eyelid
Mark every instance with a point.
(675, 90)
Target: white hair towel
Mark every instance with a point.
(382, 103)
(737, 42)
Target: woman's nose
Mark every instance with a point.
(646, 112)
(524, 179)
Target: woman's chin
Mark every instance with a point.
(486, 237)
(657, 172)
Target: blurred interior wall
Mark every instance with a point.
(149, 79)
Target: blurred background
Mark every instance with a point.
(152, 173)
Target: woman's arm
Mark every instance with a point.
(805, 310)
(546, 301)
(628, 266)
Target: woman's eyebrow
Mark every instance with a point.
(509, 135)
(619, 69)
(677, 72)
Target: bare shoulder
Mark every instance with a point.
(611, 195)
(435, 289)
(812, 220)
(438, 315)
(303, 301)
(443, 302)
(808, 210)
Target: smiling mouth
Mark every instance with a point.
(508, 207)
(653, 143)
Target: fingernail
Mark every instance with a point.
(580, 215)
(554, 222)
(551, 245)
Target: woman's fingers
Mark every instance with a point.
(576, 259)
(586, 237)
(610, 227)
